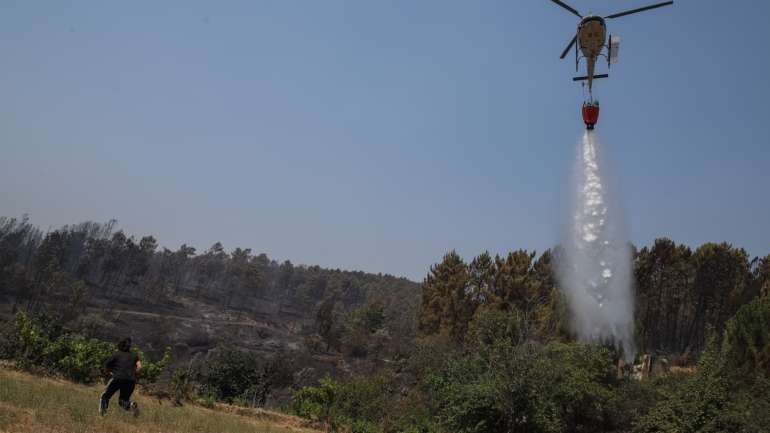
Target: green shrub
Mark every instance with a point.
(317, 402)
(77, 358)
(29, 341)
(151, 370)
(746, 345)
(207, 400)
(363, 426)
(369, 317)
(468, 396)
(232, 375)
(363, 329)
(359, 404)
(38, 343)
(553, 388)
(493, 326)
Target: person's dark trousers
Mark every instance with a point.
(126, 387)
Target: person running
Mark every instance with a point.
(123, 365)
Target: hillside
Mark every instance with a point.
(34, 404)
(100, 282)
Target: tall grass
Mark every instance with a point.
(34, 404)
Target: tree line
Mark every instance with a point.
(81, 262)
(680, 293)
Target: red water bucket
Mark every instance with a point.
(590, 114)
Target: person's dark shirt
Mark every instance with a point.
(123, 365)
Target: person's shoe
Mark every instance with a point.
(134, 408)
(102, 407)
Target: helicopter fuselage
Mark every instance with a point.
(592, 37)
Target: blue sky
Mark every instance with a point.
(378, 135)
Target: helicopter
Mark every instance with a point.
(591, 38)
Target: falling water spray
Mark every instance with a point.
(595, 270)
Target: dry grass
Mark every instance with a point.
(34, 404)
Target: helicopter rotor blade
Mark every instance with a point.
(568, 7)
(569, 46)
(642, 9)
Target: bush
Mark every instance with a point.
(369, 317)
(207, 400)
(493, 326)
(38, 343)
(746, 345)
(152, 370)
(553, 388)
(317, 402)
(358, 404)
(363, 332)
(235, 376)
(77, 358)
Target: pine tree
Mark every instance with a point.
(447, 304)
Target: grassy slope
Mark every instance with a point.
(34, 404)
